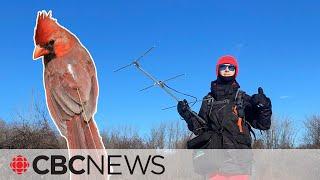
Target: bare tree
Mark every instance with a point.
(281, 135)
(157, 137)
(3, 132)
(312, 133)
(177, 135)
(123, 138)
(31, 130)
(170, 135)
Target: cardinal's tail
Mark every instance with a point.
(91, 131)
(82, 134)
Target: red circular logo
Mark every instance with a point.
(19, 164)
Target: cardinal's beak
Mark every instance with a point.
(39, 52)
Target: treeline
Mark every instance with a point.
(41, 134)
(283, 134)
(34, 130)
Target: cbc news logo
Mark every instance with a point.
(60, 165)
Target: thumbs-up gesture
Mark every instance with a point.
(260, 100)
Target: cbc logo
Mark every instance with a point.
(19, 164)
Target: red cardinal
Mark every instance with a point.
(70, 81)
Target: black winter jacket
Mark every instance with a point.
(221, 130)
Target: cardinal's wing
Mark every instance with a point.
(72, 92)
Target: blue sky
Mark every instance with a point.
(276, 43)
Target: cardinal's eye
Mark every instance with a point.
(49, 45)
(51, 42)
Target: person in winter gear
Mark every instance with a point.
(229, 114)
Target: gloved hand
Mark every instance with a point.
(184, 109)
(260, 100)
(190, 118)
(263, 108)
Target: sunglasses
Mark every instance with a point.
(223, 67)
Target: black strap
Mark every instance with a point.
(212, 102)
